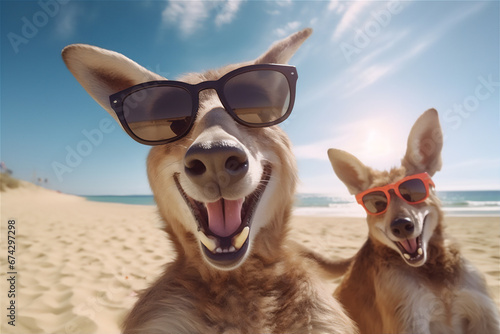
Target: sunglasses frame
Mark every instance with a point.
(289, 72)
(424, 177)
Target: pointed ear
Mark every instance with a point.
(102, 72)
(355, 175)
(281, 51)
(423, 153)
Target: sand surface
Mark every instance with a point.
(79, 263)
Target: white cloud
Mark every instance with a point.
(316, 151)
(276, 7)
(337, 6)
(385, 43)
(189, 15)
(350, 16)
(287, 29)
(192, 15)
(228, 12)
(368, 71)
(273, 12)
(384, 54)
(67, 20)
(366, 77)
(313, 21)
(283, 3)
(325, 183)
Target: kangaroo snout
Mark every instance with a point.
(402, 227)
(223, 162)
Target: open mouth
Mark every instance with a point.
(224, 226)
(411, 249)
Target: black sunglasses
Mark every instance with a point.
(159, 112)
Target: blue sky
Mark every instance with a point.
(365, 75)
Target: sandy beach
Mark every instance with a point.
(79, 263)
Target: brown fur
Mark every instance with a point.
(263, 296)
(273, 289)
(382, 292)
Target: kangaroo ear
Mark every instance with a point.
(281, 51)
(102, 72)
(355, 175)
(423, 153)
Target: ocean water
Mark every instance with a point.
(129, 199)
(454, 203)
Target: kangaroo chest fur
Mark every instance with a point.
(384, 295)
(263, 299)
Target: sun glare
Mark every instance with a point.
(381, 148)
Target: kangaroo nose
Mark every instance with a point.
(223, 162)
(402, 227)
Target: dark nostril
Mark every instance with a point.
(235, 165)
(402, 227)
(224, 162)
(195, 167)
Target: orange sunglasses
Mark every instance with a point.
(412, 189)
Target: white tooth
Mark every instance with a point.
(225, 250)
(232, 249)
(407, 256)
(239, 240)
(420, 251)
(209, 243)
(218, 250)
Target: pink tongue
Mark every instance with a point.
(224, 216)
(410, 245)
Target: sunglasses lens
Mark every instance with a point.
(413, 190)
(258, 97)
(375, 202)
(158, 113)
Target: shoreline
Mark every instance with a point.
(344, 209)
(79, 263)
(448, 212)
